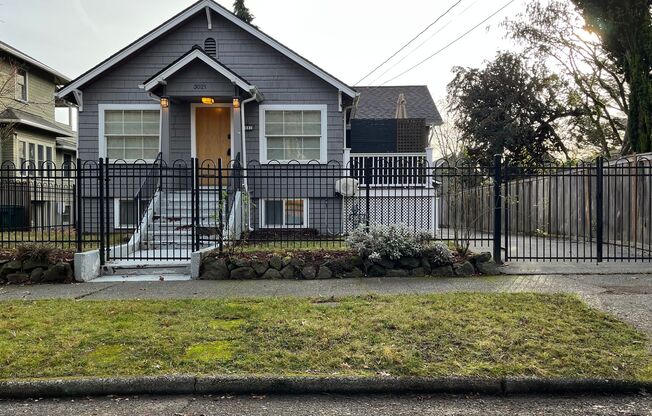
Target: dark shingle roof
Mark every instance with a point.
(380, 103)
(13, 115)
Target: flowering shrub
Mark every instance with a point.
(387, 241)
(439, 255)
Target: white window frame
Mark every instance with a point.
(323, 142)
(26, 100)
(102, 108)
(263, 210)
(117, 222)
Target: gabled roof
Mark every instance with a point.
(197, 53)
(12, 115)
(380, 103)
(191, 11)
(59, 77)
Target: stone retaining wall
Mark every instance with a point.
(296, 266)
(35, 271)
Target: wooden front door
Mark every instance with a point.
(213, 134)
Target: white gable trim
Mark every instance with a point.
(191, 11)
(197, 54)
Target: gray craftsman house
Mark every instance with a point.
(205, 85)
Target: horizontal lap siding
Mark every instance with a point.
(280, 80)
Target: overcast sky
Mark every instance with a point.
(347, 38)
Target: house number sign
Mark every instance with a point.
(199, 86)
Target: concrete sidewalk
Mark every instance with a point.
(628, 297)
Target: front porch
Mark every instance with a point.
(202, 108)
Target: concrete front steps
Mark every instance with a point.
(144, 271)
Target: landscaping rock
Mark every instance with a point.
(60, 272)
(418, 272)
(464, 269)
(31, 264)
(17, 278)
(11, 267)
(288, 272)
(240, 262)
(339, 266)
(354, 273)
(243, 273)
(297, 262)
(385, 263)
(397, 273)
(272, 274)
(425, 263)
(488, 268)
(410, 262)
(443, 271)
(376, 271)
(276, 262)
(260, 267)
(309, 272)
(36, 276)
(480, 258)
(324, 273)
(215, 269)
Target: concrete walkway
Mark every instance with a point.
(628, 296)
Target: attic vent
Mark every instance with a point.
(210, 46)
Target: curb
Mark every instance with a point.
(185, 384)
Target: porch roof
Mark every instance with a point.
(197, 53)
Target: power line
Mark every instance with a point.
(450, 44)
(411, 40)
(395, 64)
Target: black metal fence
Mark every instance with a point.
(156, 211)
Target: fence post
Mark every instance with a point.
(599, 196)
(368, 172)
(102, 213)
(78, 205)
(194, 187)
(498, 179)
(107, 209)
(220, 211)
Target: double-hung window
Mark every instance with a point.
(293, 132)
(131, 132)
(21, 85)
(284, 213)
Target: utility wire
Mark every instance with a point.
(411, 40)
(395, 64)
(449, 44)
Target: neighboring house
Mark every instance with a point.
(392, 119)
(27, 108)
(31, 138)
(207, 85)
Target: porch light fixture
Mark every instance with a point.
(207, 100)
(165, 102)
(236, 102)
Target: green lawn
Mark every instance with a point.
(461, 334)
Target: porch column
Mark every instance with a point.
(237, 140)
(165, 133)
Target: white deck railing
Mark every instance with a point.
(390, 169)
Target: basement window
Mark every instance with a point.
(284, 213)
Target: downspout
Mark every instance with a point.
(244, 151)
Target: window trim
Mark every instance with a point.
(323, 141)
(26, 100)
(102, 108)
(263, 208)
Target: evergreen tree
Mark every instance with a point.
(240, 10)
